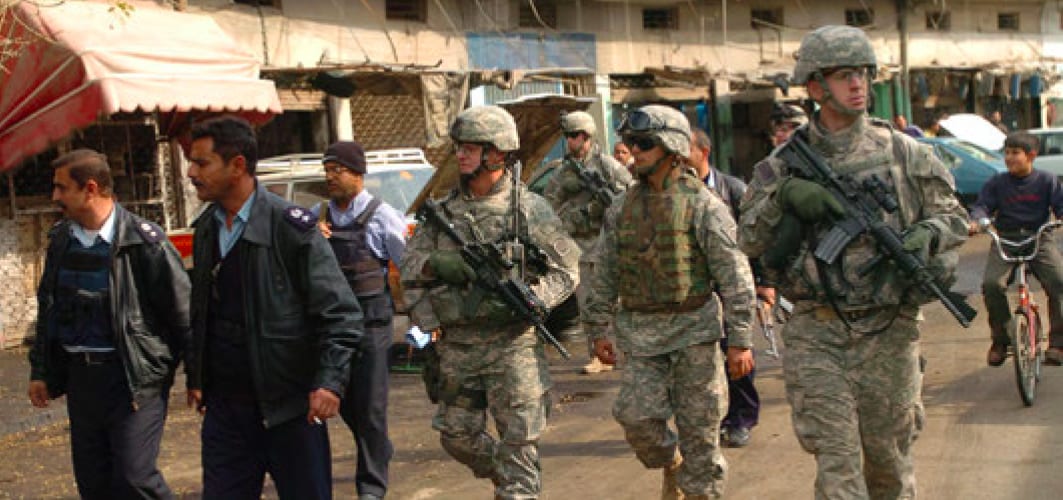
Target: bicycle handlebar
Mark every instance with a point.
(1034, 238)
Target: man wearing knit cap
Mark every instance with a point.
(365, 233)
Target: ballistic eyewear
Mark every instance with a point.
(639, 121)
(643, 142)
(572, 135)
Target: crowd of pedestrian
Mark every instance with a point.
(286, 319)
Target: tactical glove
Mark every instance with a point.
(496, 311)
(571, 182)
(448, 266)
(787, 242)
(809, 201)
(918, 239)
(595, 209)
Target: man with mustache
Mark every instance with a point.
(365, 233)
(852, 345)
(112, 326)
(274, 327)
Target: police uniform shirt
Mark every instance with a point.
(227, 236)
(386, 231)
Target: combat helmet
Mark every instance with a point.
(486, 125)
(669, 128)
(833, 47)
(578, 121)
(789, 113)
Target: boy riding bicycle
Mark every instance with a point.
(1019, 201)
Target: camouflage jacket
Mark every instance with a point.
(572, 207)
(649, 334)
(486, 219)
(922, 186)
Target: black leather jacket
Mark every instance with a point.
(303, 322)
(149, 307)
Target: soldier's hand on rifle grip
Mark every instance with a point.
(739, 362)
(808, 200)
(603, 349)
(450, 267)
(767, 295)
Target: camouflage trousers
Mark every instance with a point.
(689, 384)
(509, 379)
(855, 403)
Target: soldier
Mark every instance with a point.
(274, 327)
(666, 244)
(785, 118)
(489, 358)
(112, 326)
(365, 233)
(851, 365)
(576, 203)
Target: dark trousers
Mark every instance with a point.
(1047, 267)
(743, 409)
(365, 406)
(238, 451)
(114, 448)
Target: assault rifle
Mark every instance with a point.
(599, 188)
(861, 203)
(493, 268)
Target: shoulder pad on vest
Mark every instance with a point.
(150, 232)
(300, 217)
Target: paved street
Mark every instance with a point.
(979, 442)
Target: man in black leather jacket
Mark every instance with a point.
(112, 325)
(274, 324)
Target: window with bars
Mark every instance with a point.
(859, 17)
(660, 19)
(547, 10)
(405, 10)
(938, 20)
(1008, 21)
(760, 18)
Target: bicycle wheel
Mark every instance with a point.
(1025, 357)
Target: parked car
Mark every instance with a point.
(1050, 154)
(971, 165)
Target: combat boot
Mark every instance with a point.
(669, 484)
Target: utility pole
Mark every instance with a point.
(903, 99)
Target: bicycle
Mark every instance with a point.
(1028, 338)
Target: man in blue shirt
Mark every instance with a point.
(1019, 201)
(365, 233)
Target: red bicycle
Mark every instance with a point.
(1028, 339)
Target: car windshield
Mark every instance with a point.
(975, 151)
(397, 188)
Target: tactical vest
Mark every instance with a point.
(849, 282)
(660, 266)
(82, 297)
(365, 273)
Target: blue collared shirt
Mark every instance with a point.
(227, 236)
(386, 234)
(87, 237)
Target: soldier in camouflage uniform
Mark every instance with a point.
(489, 359)
(665, 245)
(574, 199)
(851, 366)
